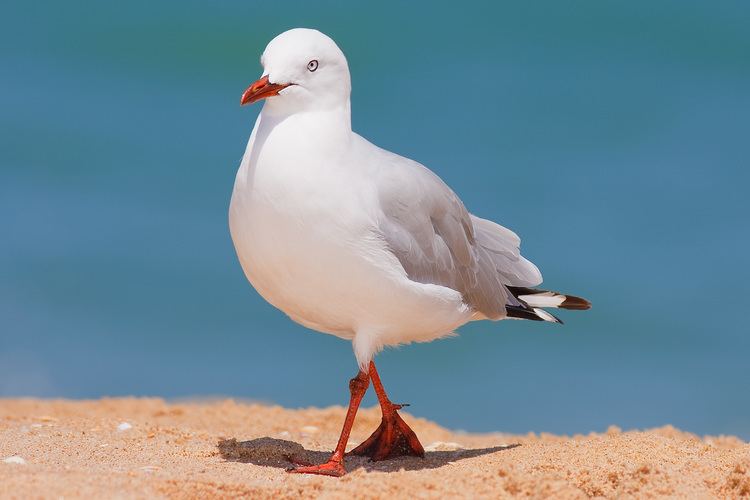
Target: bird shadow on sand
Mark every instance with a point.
(279, 453)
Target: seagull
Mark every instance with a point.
(352, 240)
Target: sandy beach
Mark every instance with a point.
(147, 448)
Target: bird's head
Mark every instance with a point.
(303, 69)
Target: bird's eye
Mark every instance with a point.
(312, 65)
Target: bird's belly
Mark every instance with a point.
(309, 261)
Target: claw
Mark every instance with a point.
(331, 468)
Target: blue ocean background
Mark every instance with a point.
(614, 137)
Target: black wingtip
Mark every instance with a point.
(575, 303)
(535, 314)
(521, 313)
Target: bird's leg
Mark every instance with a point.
(335, 465)
(393, 438)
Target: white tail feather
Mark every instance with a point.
(545, 315)
(545, 299)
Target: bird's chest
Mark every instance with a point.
(291, 223)
(301, 233)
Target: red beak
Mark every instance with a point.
(260, 90)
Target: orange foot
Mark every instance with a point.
(393, 438)
(333, 468)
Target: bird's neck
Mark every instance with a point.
(323, 127)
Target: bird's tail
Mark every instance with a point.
(529, 303)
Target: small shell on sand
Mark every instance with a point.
(124, 426)
(309, 429)
(15, 459)
(443, 446)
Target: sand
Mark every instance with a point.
(147, 448)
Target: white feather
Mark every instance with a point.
(546, 299)
(545, 315)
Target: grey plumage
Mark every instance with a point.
(438, 241)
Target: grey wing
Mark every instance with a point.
(504, 250)
(437, 241)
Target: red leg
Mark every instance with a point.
(393, 438)
(335, 465)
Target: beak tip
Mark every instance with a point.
(261, 90)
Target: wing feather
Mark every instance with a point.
(438, 241)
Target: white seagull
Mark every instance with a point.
(349, 239)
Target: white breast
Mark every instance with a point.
(299, 243)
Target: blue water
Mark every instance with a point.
(613, 136)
